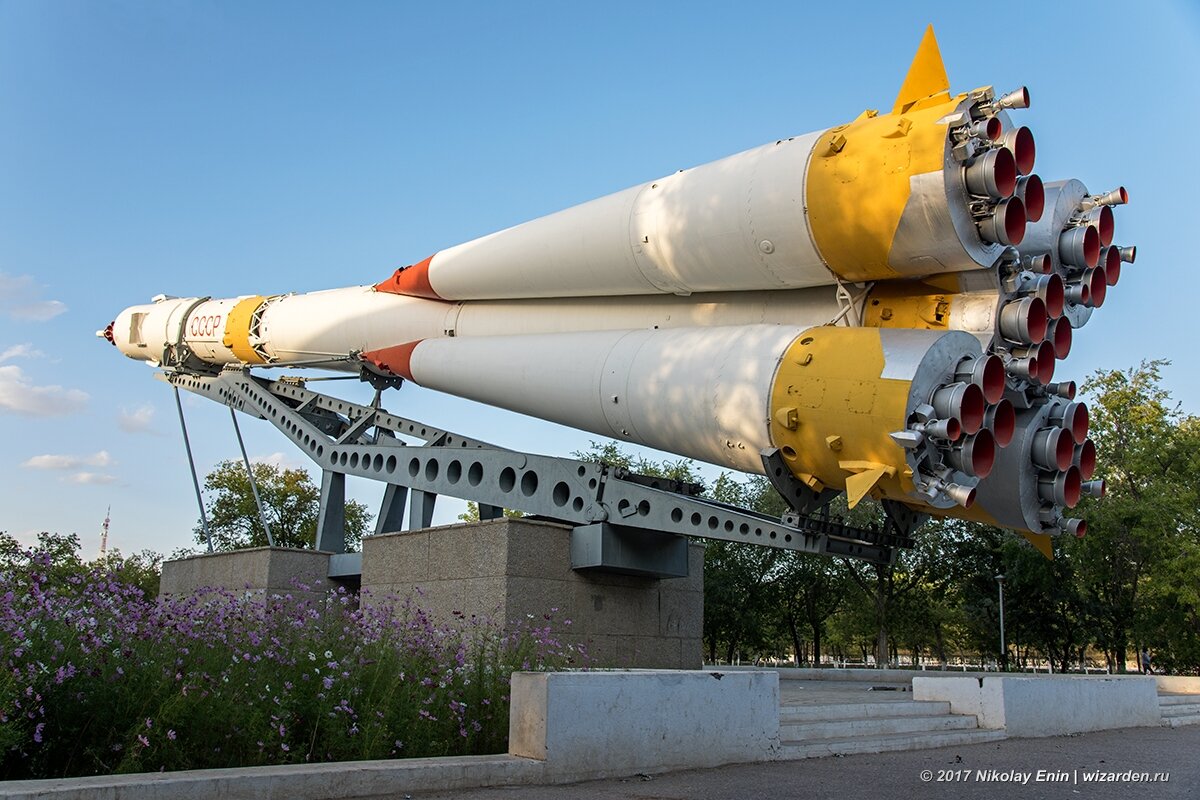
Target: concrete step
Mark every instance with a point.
(825, 713)
(1182, 720)
(1179, 710)
(889, 743)
(802, 732)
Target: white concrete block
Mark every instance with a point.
(598, 724)
(965, 696)
(1047, 705)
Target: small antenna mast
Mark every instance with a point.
(104, 533)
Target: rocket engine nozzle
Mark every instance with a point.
(986, 372)
(976, 455)
(1001, 420)
(1053, 449)
(1110, 261)
(1097, 283)
(1019, 141)
(1024, 321)
(1085, 459)
(1103, 219)
(1063, 389)
(993, 174)
(1062, 488)
(963, 402)
(1018, 98)
(1032, 192)
(961, 495)
(989, 128)
(1117, 197)
(1079, 246)
(1004, 223)
(1073, 417)
(1059, 334)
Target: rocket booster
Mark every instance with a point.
(883, 301)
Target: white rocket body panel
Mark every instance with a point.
(335, 323)
(805, 307)
(733, 224)
(702, 393)
(143, 332)
(204, 330)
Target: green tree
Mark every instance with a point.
(809, 589)
(472, 513)
(1137, 534)
(62, 565)
(290, 501)
(681, 469)
(60, 551)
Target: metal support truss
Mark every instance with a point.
(609, 507)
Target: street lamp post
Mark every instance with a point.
(1003, 649)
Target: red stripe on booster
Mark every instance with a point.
(412, 281)
(396, 360)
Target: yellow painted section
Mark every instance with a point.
(858, 176)
(860, 484)
(237, 330)
(858, 184)
(908, 304)
(926, 76)
(832, 414)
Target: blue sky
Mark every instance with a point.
(237, 148)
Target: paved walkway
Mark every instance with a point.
(899, 776)
(807, 693)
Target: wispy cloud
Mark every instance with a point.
(91, 478)
(139, 420)
(281, 460)
(100, 459)
(25, 350)
(21, 298)
(19, 395)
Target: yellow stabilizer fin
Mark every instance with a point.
(1041, 541)
(867, 474)
(926, 76)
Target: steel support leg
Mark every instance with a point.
(331, 519)
(391, 511)
(420, 513)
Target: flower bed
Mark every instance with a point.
(97, 678)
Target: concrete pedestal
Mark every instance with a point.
(503, 570)
(274, 570)
(506, 569)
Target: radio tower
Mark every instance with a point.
(104, 533)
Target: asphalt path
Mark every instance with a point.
(1128, 764)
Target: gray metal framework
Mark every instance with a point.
(624, 522)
